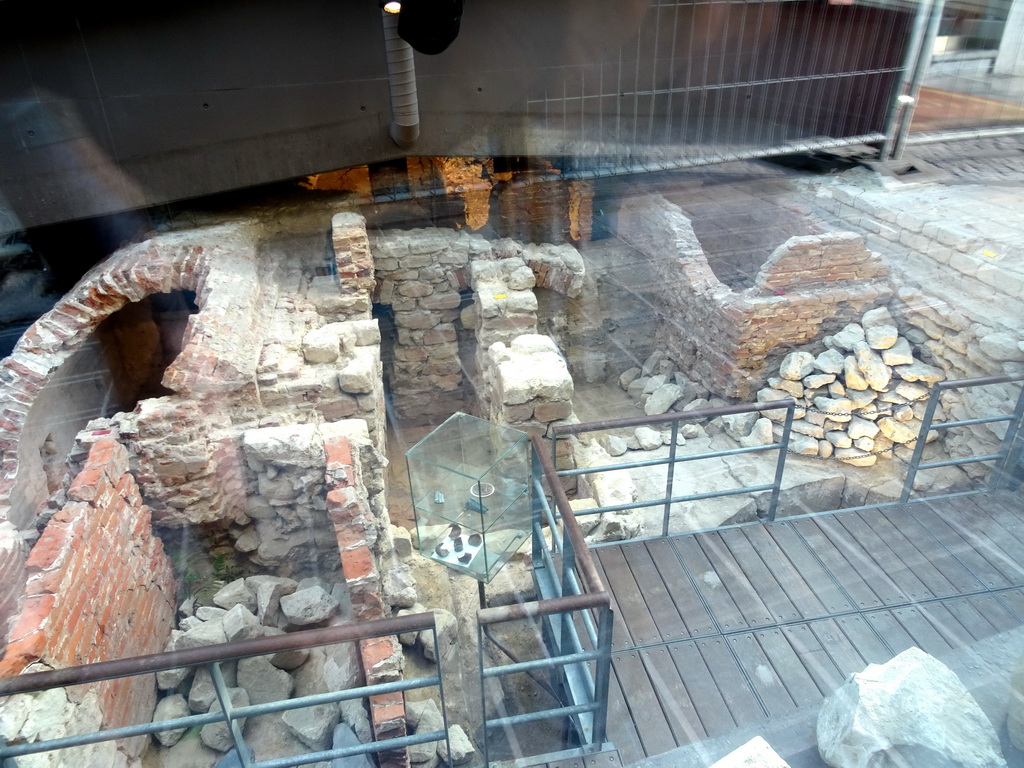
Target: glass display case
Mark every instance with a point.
(470, 491)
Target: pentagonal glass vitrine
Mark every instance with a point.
(470, 490)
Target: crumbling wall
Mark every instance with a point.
(729, 341)
(99, 587)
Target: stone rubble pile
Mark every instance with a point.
(860, 398)
(254, 607)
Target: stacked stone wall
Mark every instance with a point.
(961, 297)
(99, 587)
(729, 341)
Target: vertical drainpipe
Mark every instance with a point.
(405, 108)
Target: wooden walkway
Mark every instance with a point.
(722, 629)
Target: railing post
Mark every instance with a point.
(1010, 448)
(922, 438)
(224, 696)
(670, 479)
(602, 675)
(780, 465)
(536, 507)
(483, 695)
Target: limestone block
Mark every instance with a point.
(628, 377)
(286, 659)
(839, 439)
(854, 457)
(297, 445)
(614, 444)
(263, 681)
(852, 376)
(768, 395)
(314, 725)
(794, 388)
(359, 375)
(662, 398)
(876, 318)
(324, 344)
(648, 438)
(876, 373)
(837, 389)
(804, 427)
(1001, 347)
(240, 624)
(207, 633)
(760, 434)
(919, 371)
(269, 591)
(848, 338)
(305, 607)
(651, 363)
(209, 613)
(424, 717)
(653, 382)
(912, 710)
(803, 444)
(911, 392)
(447, 635)
(738, 425)
(216, 735)
(900, 353)
(692, 431)
(535, 370)
(462, 747)
(170, 708)
(796, 365)
(829, 361)
(817, 380)
(837, 410)
(897, 431)
(881, 336)
(635, 388)
(756, 753)
(858, 428)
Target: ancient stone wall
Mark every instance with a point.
(728, 341)
(99, 587)
(961, 298)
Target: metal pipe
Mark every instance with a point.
(405, 108)
(545, 663)
(914, 89)
(694, 415)
(502, 613)
(897, 108)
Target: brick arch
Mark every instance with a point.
(160, 265)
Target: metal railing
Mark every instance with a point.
(211, 657)
(1009, 449)
(569, 586)
(674, 458)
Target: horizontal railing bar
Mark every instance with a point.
(694, 415)
(957, 462)
(969, 422)
(400, 742)
(548, 663)
(565, 604)
(678, 459)
(190, 657)
(544, 714)
(980, 381)
(676, 499)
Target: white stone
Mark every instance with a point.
(910, 711)
(804, 427)
(462, 747)
(879, 316)
(796, 365)
(848, 338)
(802, 444)
(738, 425)
(628, 377)
(795, 388)
(235, 593)
(535, 369)
(308, 606)
(324, 344)
(899, 353)
(359, 375)
(865, 444)
(829, 361)
(825, 449)
(263, 681)
(919, 371)
(912, 392)
(663, 398)
(170, 708)
(818, 380)
(836, 389)
(896, 431)
(653, 383)
(836, 409)
(651, 363)
(839, 439)
(1001, 347)
(648, 438)
(216, 735)
(692, 431)
(876, 373)
(760, 434)
(314, 725)
(852, 376)
(859, 427)
(614, 444)
(207, 633)
(881, 336)
(240, 624)
(294, 445)
(756, 753)
(854, 457)
(447, 635)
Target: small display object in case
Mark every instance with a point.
(470, 491)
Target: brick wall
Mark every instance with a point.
(730, 341)
(99, 587)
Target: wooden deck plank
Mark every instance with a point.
(892, 633)
(1013, 601)
(862, 635)
(785, 572)
(840, 648)
(672, 693)
(993, 522)
(735, 691)
(957, 621)
(654, 592)
(788, 666)
(636, 620)
(762, 675)
(863, 561)
(907, 551)
(982, 557)
(767, 585)
(645, 709)
(817, 659)
(858, 589)
(755, 612)
(684, 595)
(703, 691)
(621, 730)
(716, 596)
(881, 553)
(994, 611)
(925, 635)
(934, 552)
(821, 582)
